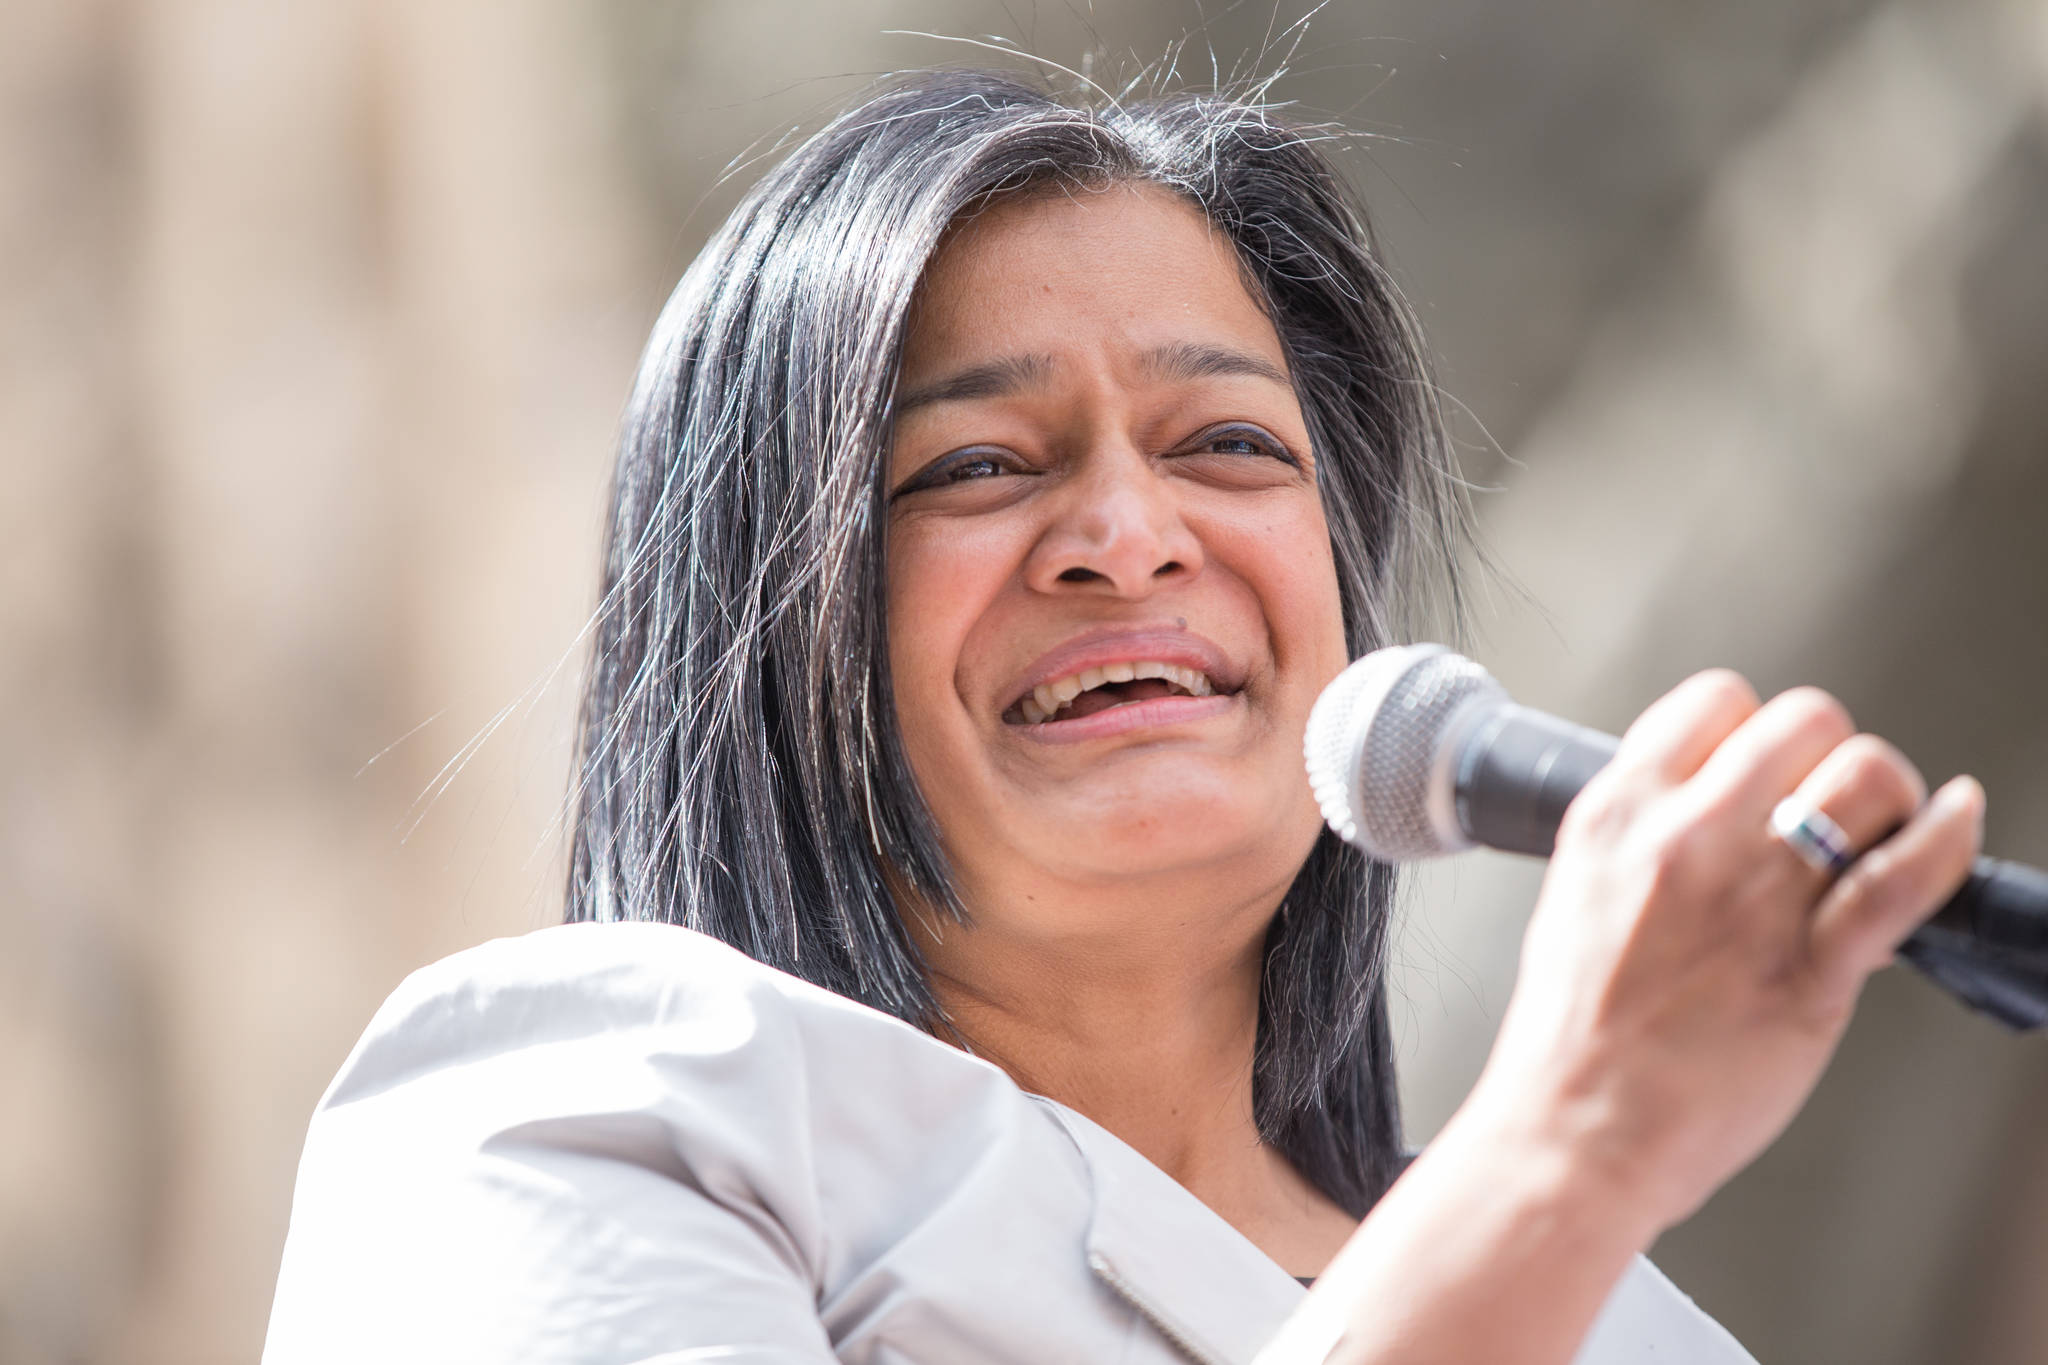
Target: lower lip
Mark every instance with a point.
(1130, 716)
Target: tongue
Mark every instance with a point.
(1116, 694)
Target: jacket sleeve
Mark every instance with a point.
(592, 1150)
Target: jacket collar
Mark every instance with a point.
(1219, 1299)
(1197, 1279)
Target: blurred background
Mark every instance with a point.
(315, 320)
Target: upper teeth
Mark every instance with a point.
(1049, 697)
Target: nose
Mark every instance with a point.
(1116, 529)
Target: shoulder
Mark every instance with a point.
(647, 1019)
(627, 986)
(597, 1114)
(660, 1048)
(562, 982)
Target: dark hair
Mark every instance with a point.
(740, 770)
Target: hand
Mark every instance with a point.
(1686, 975)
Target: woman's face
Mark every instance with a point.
(1111, 599)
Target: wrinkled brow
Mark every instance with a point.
(1184, 360)
(1180, 361)
(996, 379)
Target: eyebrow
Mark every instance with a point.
(1180, 360)
(996, 379)
(1186, 360)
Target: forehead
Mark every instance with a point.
(1124, 266)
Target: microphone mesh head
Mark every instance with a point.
(1372, 745)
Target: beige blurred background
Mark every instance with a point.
(315, 319)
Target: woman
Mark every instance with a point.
(1002, 485)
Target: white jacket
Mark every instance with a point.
(611, 1143)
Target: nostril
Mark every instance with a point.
(1170, 566)
(1077, 574)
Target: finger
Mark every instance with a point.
(1772, 752)
(1867, 788)
(1670, 740)
(1888, 892)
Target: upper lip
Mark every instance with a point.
(1127, 644)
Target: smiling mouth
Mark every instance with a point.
(1100, 689)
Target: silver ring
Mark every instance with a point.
(1809, 832)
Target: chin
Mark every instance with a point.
(1206, 829)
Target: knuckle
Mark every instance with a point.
(1813, 711)
(1590, 812)
(1603, 807)
(1722, 689)
(1706, 809)
(1678, 846)
(1874, 765)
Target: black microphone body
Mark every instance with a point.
(1516, 773)
(1511, 772)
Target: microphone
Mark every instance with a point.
(1415, 752)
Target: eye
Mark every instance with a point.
(961, 466)
(980, 467)
(1241, 439)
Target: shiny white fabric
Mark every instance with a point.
(612, 1143)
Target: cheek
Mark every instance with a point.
(919, 628)
(941, 585)
(1284, 555)
(1321, 609)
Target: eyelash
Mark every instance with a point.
(955, 472)
(1252, 436)
(950, 471)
